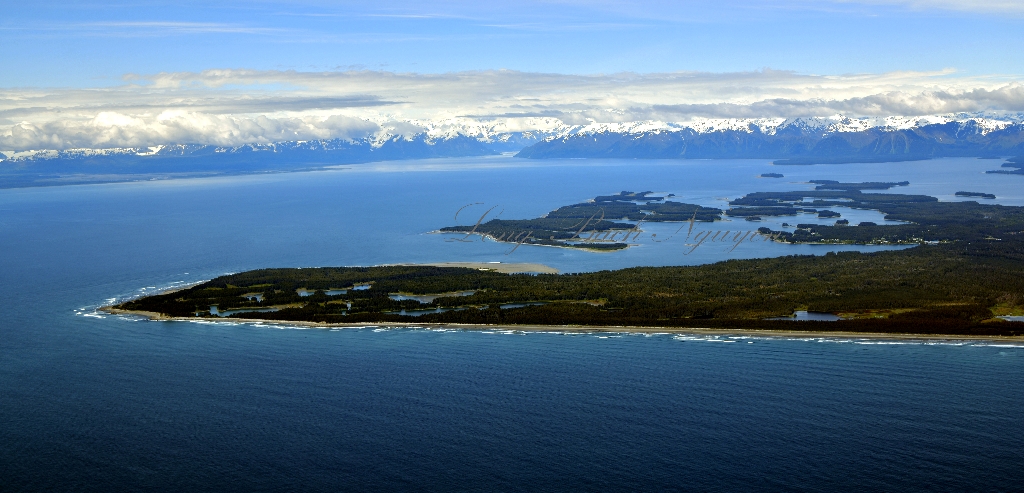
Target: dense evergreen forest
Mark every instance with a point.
(938, 289)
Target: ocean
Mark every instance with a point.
(90, 402)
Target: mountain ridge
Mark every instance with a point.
(45, 168)
(499, 138)
(799, 141)
(837, 139)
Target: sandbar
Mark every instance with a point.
(504, 268)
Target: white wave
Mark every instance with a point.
(92, 312)
(700, 338)
(884, 343)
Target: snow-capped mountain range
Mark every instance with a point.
(381, 146)
(834, 139)
(978, 123)
(800, 140)
(493, 137)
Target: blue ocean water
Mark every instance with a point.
(94, 403)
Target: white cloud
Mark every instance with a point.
(109, 129)
(1009, 98)
(980, 6)
(232, 107)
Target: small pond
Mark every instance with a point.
(804, 315)
(227, 313)
(427, 298)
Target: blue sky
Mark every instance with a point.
(89, 43)
(91, 73)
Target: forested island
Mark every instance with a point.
(1015, 164)
(927, 220)
(586, 225)
(590, 225)
(978, 195)
(867, 185)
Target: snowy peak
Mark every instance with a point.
(837, 138)
(378, 141)
(505, 135)
(974, 124)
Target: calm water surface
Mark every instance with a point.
(105, 403)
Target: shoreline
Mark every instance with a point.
(177, 288)
(502, 267)
(894, 245)
(485, 236)
(586, 329)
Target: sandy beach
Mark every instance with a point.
(782, 334)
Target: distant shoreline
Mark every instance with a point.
(585, 329)
(486, 236)
(503, 267)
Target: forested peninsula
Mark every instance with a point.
(951, 289)
(965, 277)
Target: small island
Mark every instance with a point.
(976, 195)
(772, 175)
(1016, 165)
(589, 225)
(827, 193)
(868, 185)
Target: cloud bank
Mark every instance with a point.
(234, 107)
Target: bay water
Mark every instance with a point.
(90, 402)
